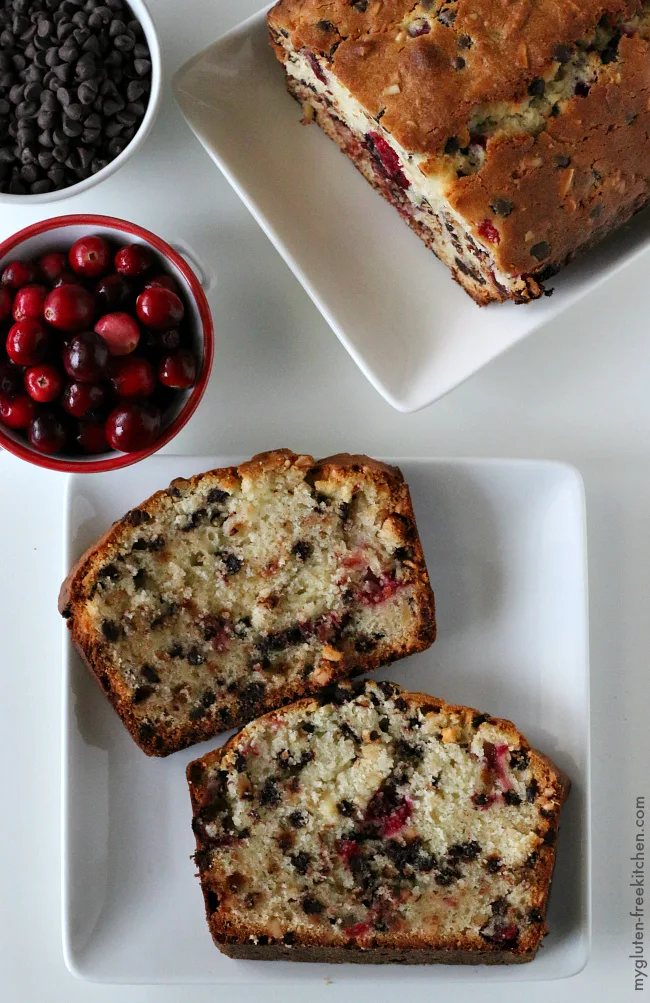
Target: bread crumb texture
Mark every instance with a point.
(377, 819)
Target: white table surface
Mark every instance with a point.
(579, 391)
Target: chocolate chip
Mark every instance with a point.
(325, 26)
(110, 630)
(501, 206)
(208, 698)
(447, 17)
(312, 906)
(511, 798)
(537, 87)
(581, 89)
(458, 63)
(540, 250)
(212, 900)
(535, 916)
(363, 644)
(519, 759)
(197, 713)
(531, 791)
(562, 53)
(302, 550)
(149, 673)
(297, 819)
(405, 750)
(176, 650)
(481, 799)
(465, 851)
(532, 859)
(346, 808)
(142, 693)
(545, 813)
(499, 907)
(269, 794)
(451, 146)
(562, 161)
(146, 732)
(493, 865)
(195, 657)
(136, 517)
(289, 937)
(232, 562)
(464, 42)
(301, 862)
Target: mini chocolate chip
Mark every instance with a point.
(325, 26)
(289, 938)
(174, 492)
(581, 89)
(312, 906)
(208, 698)
(308, 727)
(301, 862)
(540, 250)
(212, 900)
(196, 772)
(232, 562)
(197, 713)
(465, 851)
(458, 63)
(562, 53)
(481, 799)
(519, 759)
(110, 630)
(149, 673)
(511, 798)
(297, 819)
(536, 87)
(269, 794)
(545, 813)
(451, 146)
(464, 42)
(176, 650)
(142, 693)
(105, 681)
(401, 704)
(195, 657)
(532, 859)
(447, 17)
(501, 206)
(384, 724)
(146, 732)
(535, 916)
(493, 865)
(302, 550)
(562, 161)
(531, 791)
(499, 907)
(346, 808)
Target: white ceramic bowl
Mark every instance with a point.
(141, 13)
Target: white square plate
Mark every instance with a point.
(412, 331)
(505, 546)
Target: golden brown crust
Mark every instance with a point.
(253, 941)
(582, 176)
(93, 648)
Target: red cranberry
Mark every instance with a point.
(28, 343)
(489, 232)
(132, 376)
(10, 381)
(85, 357)
(90, 257)
(70, 308)
(17, 412)
(43, 383)
(48, 432)
(79, 399)
(52, 266)
(132, 427)
(18, 273)
(6, 302)
(178, 370)
(162, 341)
(66, 279)
(112, 292)
(159, 308)
(29, 302)
(91, 437)
(134, 259)
(120, 332)
(163, 281)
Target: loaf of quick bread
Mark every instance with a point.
(374, 825)
(509, 135)
(238, 590)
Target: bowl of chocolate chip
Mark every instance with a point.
(80, 87)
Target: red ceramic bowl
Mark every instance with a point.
(59, 234)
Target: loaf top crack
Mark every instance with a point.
(241, 589)
(376, 825)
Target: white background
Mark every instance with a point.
(578, 391)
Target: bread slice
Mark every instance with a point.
(375, 825)
(241, 589)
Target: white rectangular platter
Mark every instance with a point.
(412, 331)
(505, 546)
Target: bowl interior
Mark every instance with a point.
(61, 238)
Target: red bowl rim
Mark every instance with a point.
(118, 460)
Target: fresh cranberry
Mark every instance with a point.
(159, 308)
(133, 260)
(10, 381)
(112, 292)
(18, 273)
(91, 437)
(6, 302)
(132, 427)
(178, 370)
(90, 257)
(163, 281)
(48, 431)
(132, 376)
(43, 383)
(120, 332)
(28, 343)
(315, 65)
(29, 302)
(162, 341)
(85, 357)
(17, 412)
(66, 278)
(52, 266)
(489, 232)
(80, 399)
(70, 308)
